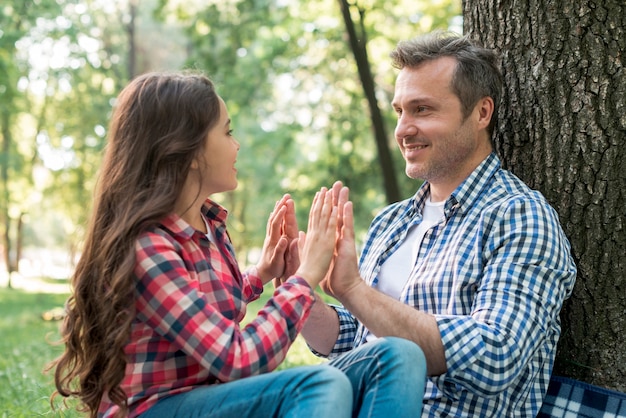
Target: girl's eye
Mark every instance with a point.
(230, 132)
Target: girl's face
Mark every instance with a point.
(217, 162)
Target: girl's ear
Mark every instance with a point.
(194, 164)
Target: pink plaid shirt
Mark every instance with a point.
(190, 300)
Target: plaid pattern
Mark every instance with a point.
(190, 299)
(569, 398)
(494, 272)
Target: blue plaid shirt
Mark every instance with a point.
(494, 272)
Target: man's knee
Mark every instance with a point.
(403, 352)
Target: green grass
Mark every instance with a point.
(26, 347)
(299, 354)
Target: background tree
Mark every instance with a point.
(284, 67)
(291, 82)
(17, 149)
(563, 131)
(61, 64)
(357, 39)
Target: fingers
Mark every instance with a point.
(324, 213)
(275, 223)
(292, 259)
(347, 230)
(320, 203)
(336, 189)
(301, 242)
(281, 247)
(320, 245)
(277, 282)
(290, 224)
(281, 210)
(343, 195)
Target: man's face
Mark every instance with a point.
(436, 141)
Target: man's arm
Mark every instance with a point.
(322, 327)
(379, 313)
(384, 316)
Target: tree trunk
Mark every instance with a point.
(562, 130)
(4, 204)
(19, 242)
(131, 27)
(358, 45)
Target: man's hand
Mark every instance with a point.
(344, 271)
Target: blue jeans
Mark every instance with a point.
(383, 378)
(388, 377)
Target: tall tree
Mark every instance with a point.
(17, 141)
(563, 130)
(61, 65)
(294, 94)
(357, 38)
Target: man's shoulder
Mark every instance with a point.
(507, 195)
(508, 186)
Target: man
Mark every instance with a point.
(474, 268)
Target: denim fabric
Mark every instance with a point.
(384, 378)
(388, 377)
(309, 391)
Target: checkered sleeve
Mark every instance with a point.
(347, 332)
(170, 302)
(252, 285)
(527, 272)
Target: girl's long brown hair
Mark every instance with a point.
(159, 125)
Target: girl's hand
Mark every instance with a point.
(290, 231)
(280, 232)
(317, 246)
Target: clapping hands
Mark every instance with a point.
(326, 254)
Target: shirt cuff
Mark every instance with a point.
(463, 345)
(254, 279)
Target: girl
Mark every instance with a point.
(153, 324)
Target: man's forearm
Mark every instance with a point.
(322, 327)
(384, 316)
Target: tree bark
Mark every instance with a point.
(358, 45)
(131, 27)
(562, 130)
(4, 181)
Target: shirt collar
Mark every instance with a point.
(463, 197)
(211, 210)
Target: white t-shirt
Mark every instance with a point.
(395, 271)
(209, 233)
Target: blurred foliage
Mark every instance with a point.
(283, 67)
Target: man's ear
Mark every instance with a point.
(485, 109)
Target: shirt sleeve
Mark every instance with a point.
(170, 302)
(527, 274)
(347, 333)
(252, 285)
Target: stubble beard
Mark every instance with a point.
(442, 166)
